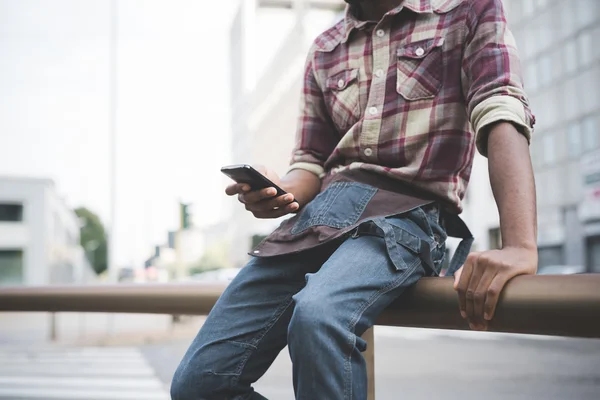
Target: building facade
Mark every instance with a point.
(39, 236)
(265, 94)
(558, 43)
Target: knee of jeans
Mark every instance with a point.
(208, 373)
(187, 385)
(312, 314)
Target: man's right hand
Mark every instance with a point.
(264, 203)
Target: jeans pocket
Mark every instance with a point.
(338, 206)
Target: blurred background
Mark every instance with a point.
(115, 117)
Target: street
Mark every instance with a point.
(419, 364)
(410, 364)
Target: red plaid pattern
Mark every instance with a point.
(407, 96)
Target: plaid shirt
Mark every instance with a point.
(411, 96)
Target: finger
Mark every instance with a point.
(476, 275)
(237, 188)
(268, 205)
(259, 195)
(481, 296)
(492, 296)
(463, 284)
(280, 212)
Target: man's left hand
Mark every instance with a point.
(483, 276)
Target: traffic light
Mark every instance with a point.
(185, 217)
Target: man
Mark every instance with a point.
(396, 97)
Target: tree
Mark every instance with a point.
(93, 239)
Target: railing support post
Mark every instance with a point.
(52, 333)
(369, 356)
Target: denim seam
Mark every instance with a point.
(358, 313)
(327, 202)
(278, 313)
(302, 227)
(362, 203)
(336, 189)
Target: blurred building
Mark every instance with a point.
(39, 235)
(270, 40)
(558, 43)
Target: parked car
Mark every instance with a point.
(561, 270)
(218, 275)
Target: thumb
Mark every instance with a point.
(457, 277)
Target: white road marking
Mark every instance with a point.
(78, 373)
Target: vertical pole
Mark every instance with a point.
(369, 356)
(112, 151)
(53, 327)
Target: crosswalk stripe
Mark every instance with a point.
(79, 394)
(38, 381)
(78, 373)
(72, 371)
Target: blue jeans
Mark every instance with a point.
(319, 303)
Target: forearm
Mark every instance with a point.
(304, 185)
(511, 177)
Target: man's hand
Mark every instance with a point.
(264, 203)
(483, 276)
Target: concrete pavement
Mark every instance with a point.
(419, 364)
(410, 364)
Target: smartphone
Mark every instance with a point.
(244, 173)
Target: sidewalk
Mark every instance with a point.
(24, 328)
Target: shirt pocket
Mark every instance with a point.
(420, 69)
(338, 206)
(342, 98)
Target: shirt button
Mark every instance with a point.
(372, 110)
(368, 152)
(420, 52)
(341, 83)
(380, 32)
(379, 73)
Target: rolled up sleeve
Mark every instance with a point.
(491, 74)
(315, 134)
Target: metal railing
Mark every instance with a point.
(549, 305)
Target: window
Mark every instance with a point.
(11, 267)
(567, 20)
(550, 256)
(585, 11)
(11, 212)
(571, 99)
(557, 65)
(595, 33)
(546, 70)
(590, 132)
(528, 7)
(256, 239)
(586, 48)
(531, 77)
(495, 238)
(514, 11)
(574, 139)
(588, 83)
(549, 148)
(546, 32)
(570, 56)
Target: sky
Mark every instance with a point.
(173, 108)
